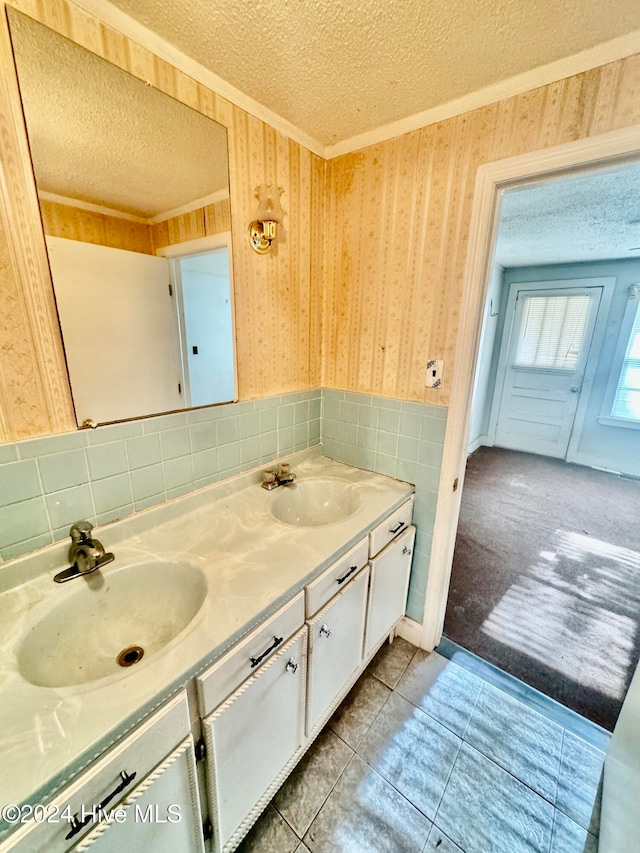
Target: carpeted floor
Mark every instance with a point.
(546, 577)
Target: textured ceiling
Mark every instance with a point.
(100, 135)
(337, 69)
(592, 215)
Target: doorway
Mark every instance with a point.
(543, 358)
(202, 286)
(548, 374)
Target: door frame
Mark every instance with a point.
(595, 151)
(606, 287)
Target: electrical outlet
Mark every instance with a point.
(433, 375)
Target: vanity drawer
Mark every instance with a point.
(244, 660)
(390, 527)
(120, 770)
(336, 577)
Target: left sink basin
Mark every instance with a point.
(111, 622)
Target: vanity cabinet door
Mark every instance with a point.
(388, 589)
(251, 738)
(109, 780)
(162, 814)
(336, 634)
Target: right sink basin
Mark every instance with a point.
(314, 503)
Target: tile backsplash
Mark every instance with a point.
(396, 438)
(48, 483)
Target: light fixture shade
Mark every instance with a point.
(269, 207)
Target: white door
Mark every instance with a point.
(336, 635)
(117, 320)
(388, 589)
(542, 363)
(251, 737)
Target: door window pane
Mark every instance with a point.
(552, 331)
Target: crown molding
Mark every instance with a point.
(602, 54)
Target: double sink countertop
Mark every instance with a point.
(221, 544)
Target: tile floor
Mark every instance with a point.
(425, 755)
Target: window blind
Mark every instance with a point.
(626, 403)
(551, 331)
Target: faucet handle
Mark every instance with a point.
(81, 531)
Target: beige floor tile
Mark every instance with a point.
(353, 718)
(302, 795)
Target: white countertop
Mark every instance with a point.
(252, 564)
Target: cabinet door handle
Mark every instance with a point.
(274, 645)
(406, 550)
(398, 527)
(325, 631)
(77, 825)
(352, 569)
(292, 666)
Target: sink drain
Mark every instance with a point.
(130, 655)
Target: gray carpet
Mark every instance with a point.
(546, 577)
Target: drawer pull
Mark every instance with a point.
(398, 527)
(274, 645)
(77, 825)
(292, 666)
(325, 631)
(352, 569)
(406, 550)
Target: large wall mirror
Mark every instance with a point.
(134, 198)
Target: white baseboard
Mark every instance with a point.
(481, 441)
(628, 467)
(409, 630)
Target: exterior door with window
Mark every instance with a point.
(542, 364)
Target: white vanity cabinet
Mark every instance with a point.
(145, 768)
(261, 703)
(335, 649)
(252, 703)
(162, 814)
(252, 741)
(388, 588)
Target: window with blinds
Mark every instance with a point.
(626, 402)
(552, 331)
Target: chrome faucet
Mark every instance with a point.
(281, 476)
(86, 555)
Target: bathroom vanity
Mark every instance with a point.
(255, 611)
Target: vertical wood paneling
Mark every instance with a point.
(277, 296)
(364, 282)
(398, 219)
(74, 223)
(35, 394)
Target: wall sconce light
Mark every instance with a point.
(262, 231)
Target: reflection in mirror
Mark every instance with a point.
(134, 198)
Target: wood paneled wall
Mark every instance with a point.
(364, 283)
(75, 223)
(398, 218)
(204, 222)
(277, 296)
(87, 226)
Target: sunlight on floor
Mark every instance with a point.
(560, 624)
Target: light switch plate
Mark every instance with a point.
(433, 374)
